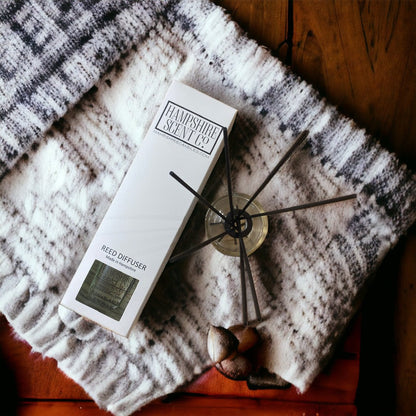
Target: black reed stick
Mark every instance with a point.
(305, 206)
(243, 285)
(302, 136)
(244, 259)
(197, 247)
(199, 196)
(228, 170)
(250, 278)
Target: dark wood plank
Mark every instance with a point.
(189, 405)
(60, 408)
(263, 20)
(361, 55)
(405, 331)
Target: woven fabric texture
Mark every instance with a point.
(52, 53)
(314, 266)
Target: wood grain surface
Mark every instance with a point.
(361, 56)
(41, 385)
(189, 406)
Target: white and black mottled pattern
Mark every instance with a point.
(314, 266)
(52, 52)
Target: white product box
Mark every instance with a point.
(149, 212)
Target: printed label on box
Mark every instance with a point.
(189, 127)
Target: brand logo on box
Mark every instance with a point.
(189, 127)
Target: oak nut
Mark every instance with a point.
(247, 336)
(237, 368)
(221, 343)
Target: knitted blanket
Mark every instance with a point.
(80, 83)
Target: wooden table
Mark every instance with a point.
(361, 55)
(46, 391)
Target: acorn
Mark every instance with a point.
(237, 368)
(221, 343)
(247, 336)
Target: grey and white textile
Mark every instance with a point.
(79, 85)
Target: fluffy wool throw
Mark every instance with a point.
(59, 179)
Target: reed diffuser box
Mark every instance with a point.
(149, 212)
